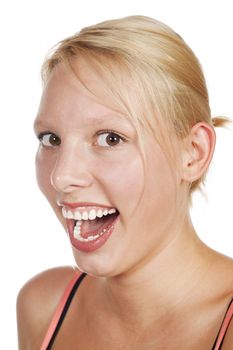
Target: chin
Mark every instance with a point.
(95, 264)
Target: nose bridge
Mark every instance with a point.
(71, 169)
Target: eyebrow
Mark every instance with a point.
(100, 120)
(109, 118)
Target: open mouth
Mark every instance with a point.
(90, 230)
(89, 224)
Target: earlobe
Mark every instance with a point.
(198, 151)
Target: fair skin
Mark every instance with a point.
(154, 284)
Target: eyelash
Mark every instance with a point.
(108, 131)
(99, 133)
(49, 134)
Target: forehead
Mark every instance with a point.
(79, 77)
(81, 94)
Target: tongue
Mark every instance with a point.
(95, 227)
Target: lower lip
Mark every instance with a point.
(91, 245)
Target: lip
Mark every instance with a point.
(83, 204)
(90, 246)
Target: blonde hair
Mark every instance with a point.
(165, 91)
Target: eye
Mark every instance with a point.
(49, 139)
(109, 138)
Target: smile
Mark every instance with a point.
(88, 227)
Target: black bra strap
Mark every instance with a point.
(221, 328)
(65, 309)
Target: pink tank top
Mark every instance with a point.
(68, 295)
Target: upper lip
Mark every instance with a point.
(73, 205)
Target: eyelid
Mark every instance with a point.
(109, 131)
(42, 133)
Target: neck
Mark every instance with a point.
(164, 285)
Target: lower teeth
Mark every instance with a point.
(77, 234)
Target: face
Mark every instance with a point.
(89, 158)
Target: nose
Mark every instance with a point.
(70, 171)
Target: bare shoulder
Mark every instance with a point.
(227, 274)
(228, 340)
(221, 272)
(36, 303)
(225, 284)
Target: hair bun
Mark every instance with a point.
(221, 121)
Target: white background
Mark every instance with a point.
(31, 238)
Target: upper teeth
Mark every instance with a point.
(86, 214)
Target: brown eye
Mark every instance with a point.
(49, 140)
(109, 139)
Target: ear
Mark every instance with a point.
(198, 151)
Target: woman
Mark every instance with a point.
(126, 137)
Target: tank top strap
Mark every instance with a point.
(61, 311)
(224, 326)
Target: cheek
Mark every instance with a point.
(160, 190)
(123, 181)
(43, 171)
